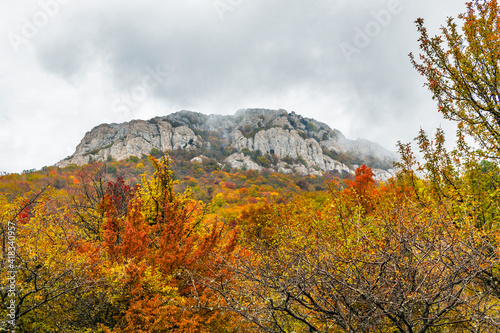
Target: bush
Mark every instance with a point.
(263, 161)
(156, 153)
(133, 159)
(112, 169)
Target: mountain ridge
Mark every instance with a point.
(250, 139)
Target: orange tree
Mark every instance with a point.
(153, 246)
(111, 258)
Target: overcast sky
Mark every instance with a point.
(69, 65)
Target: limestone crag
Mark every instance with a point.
(242, 161)
(249, 139)
(134, 138)
(288, 143)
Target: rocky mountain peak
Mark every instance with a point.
(251, 139)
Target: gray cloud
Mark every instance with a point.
(282, 53)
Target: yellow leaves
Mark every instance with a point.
(74, 180)
(219, 200)
(463, 76)
(152, 280)
(51, 259)
(116, 272)
(158, 283)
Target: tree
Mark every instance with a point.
(44, 265)
(153, 246)
(362, 188)
(463, 73)
(397, 268)
(87, 197)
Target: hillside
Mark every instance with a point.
(252, 139)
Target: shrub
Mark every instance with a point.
(263, 161)
(156, 153)
(133, 159)
(112, 169)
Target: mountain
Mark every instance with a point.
(250, 139)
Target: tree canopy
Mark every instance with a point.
(461, 66)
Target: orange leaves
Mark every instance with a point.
(125, 234)
(327, 267)
(127, 238)
(461, 68)
(363, 188)
(363, 180)
(75, 181)
(156, 236)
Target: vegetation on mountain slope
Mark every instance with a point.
(152, 244)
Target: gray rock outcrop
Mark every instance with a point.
(134, 138)
(299, 144)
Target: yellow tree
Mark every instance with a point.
(462, 71)
(340, 267)
(44, 264)
(461, 66)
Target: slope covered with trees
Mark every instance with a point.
(167, 245)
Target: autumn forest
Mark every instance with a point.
(160, 244)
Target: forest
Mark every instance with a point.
(159, 244)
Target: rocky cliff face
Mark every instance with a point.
(251, 139)
(137, 137)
